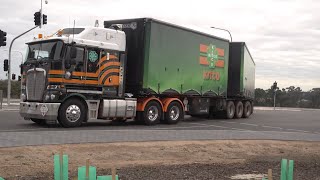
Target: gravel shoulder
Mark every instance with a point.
(220, 159)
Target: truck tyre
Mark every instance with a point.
(174, 113)
(38, 121)
(72, 113)
(251, 107)
(247, 109)
(239, 110)
(152, 113)
(230, 110)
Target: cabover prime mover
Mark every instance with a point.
(144, 69)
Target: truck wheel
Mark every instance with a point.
(239, 110)
(38, 121)
(247, 109)
(152, 113)
(174, 113)
(72, 113)
(230, 110)
(251, 107)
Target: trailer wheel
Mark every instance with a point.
(239, 110)
(152, 113)
(247, 109)
(174, 113)
(38, 121)
(72, 113)
(230, 110)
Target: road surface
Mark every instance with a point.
(284, 124)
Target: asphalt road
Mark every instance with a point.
(286, 124)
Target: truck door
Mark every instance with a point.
(78, 68)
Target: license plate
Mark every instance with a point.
(33, 107)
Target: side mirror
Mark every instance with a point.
(71, 59)
(73, 52)
(21, 69)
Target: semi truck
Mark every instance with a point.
(142, 69)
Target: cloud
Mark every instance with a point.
(282, 35)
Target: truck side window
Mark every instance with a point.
(93, 57)
(79, 66)
(79, 60)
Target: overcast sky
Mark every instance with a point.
(282, 35)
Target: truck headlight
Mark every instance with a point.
(46, 98)
(52, 96)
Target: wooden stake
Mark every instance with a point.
(61, 164)
(269, 174)
(113, 173)
(87, 168)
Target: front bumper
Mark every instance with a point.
(48, 111)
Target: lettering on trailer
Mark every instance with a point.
(132, 25)
(212, 57)
(211, 75)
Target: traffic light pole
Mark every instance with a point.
(9, 64)
(274, 100)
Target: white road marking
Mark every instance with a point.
(298, 130)
(207, 125)
(249, 124)
(228, 122)
(271, 127)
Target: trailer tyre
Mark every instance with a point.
(230, 110)
(239, 110)
(72, 113)
(152, 113)
(247, 110)
(174, 113)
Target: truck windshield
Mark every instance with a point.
(45, 51)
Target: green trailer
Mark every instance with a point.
(166, 60)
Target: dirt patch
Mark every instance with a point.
(178, 159)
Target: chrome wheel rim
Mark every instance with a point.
(174, 113)
(153, 113)
(73, 113)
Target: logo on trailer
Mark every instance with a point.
(212, 57)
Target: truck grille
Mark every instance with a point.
(35, 84)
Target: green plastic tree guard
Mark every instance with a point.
(57, 168)
(284, 163)
(82, 173)
(290, 170)
(106, 177)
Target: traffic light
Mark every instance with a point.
(44, 18)
(275, 84)
(5, 65)
(37, 19)
(3, 38)
(19, 78)
(13, 76)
